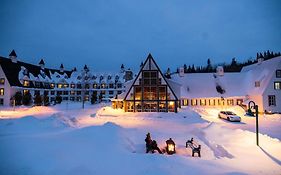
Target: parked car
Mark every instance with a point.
(230, 116)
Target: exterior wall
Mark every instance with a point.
(258, 99)
(7, 89)
(271, 91)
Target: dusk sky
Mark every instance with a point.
(105, 33)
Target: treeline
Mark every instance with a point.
(233, 66)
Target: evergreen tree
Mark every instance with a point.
(185, 68)
(100, 97)
(58, 99)
(26, 99)
(37, 99)
(46, 100)
(193, 69)
(94, 97)
(168, 73)
(209, 66)
(18, 98)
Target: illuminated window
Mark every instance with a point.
(202, 102)
(59, 86)
(2, 80)
(230, 102)
(193, 102)
(257, 84)
(212, 102)
(72, 86)
(239, 101)
(277, 85)
(271, 100)
(52, 85)
(278, 73)
(25, 83)
(72, 92)
(2, 91)
(95, 85)
(103, 85)
(25, 91)
(66, 85)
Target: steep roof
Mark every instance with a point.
(12, 70)
(42, 62)
(13, 53)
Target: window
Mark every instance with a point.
(79, 86)
(25, 91)
(150, 77)
(111, 85)
(2, 80)
(26, 83)
(110, 92)
(87, 86)
(278, 73)
(103, 85)
(202, 102)
(66, 85)
(257, 84)
(2, 91)
(271, 100)
(78, 93)
(193, 102)
(72, 92)
(277, 85)
(65, 92)
(119, 85)
(119, 92)
(1, 101)
(59, 86)
(72, 85)
(52, 92)
(52, 85)
(59, 92)
(230, 102)
(37, 84)
(95, 86)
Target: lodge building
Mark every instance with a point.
(73, 85)
(150, 91)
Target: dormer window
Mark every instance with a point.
(26, 83)
(116, 77)
(257, 83)
(109, 77)
(278, 73)
(58, 76)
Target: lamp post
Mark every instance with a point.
(252, 104)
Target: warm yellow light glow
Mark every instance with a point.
(171, 147)
(171, 103)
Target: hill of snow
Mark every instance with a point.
(101, 140)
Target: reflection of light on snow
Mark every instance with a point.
(21, 112)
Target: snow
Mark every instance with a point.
(65, 139)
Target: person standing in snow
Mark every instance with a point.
(148, 142)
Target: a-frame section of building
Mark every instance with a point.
(150, 92)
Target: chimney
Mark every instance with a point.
(61, 68)
(13, 56)
(220, 71)
(260, 60)
(181, 71)
(42, 64)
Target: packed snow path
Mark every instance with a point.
(99, 140)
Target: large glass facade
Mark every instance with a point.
(150, 94)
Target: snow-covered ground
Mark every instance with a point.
(65, 139)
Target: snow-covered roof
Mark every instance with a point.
(203, 85)
(237, 84)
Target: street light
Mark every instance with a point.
(253, 105)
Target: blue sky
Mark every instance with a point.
(105, 33)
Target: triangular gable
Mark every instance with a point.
(150, 64)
